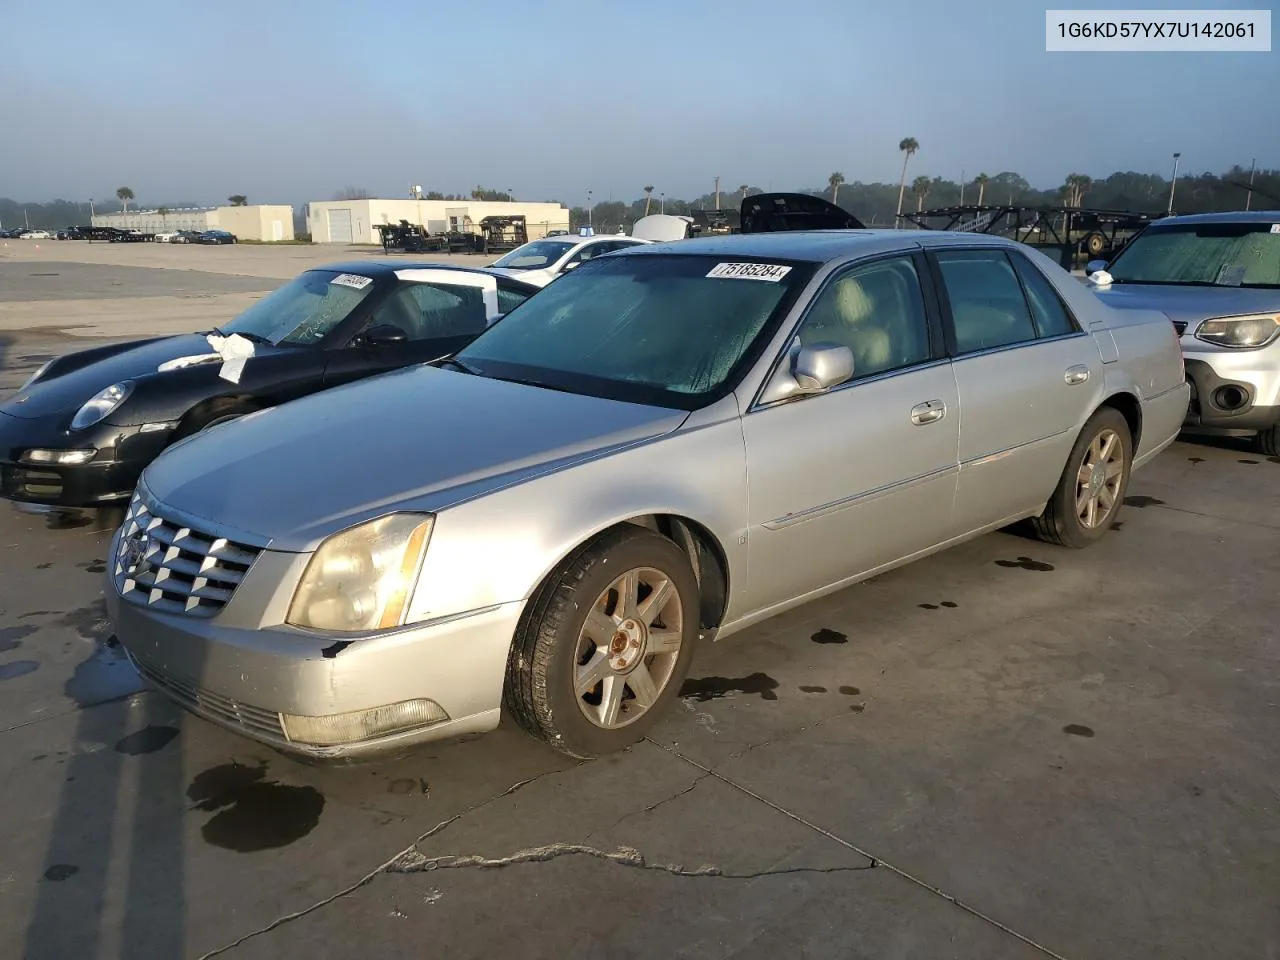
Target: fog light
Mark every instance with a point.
(363, 724)
(64, 457)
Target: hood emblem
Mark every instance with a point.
(135, 550)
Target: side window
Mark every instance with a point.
(1047, 308)
(509, 299)
(427, 311)
(878, 312)
(987, 305)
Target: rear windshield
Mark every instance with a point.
(535, 255)
(1209, 254)
(667, 330)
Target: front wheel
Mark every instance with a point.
(1093, 483)
(605, 644)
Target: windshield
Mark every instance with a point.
(666, 330)
(303, 311)
(535, 255)
(1209, 254)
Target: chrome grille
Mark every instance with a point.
(166, 566)
(265, 723)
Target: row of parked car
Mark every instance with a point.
(393, 498)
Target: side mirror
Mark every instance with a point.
(384, 335)
(821, 366)
(1093, 266)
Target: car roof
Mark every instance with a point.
(387, 268)
(815, 246)
(1230, 216)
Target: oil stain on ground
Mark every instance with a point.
(147, 740)
(253, 813)
(1196, 459)
(949, 604)
(712, 688)
(809, 688)
(1077, 730)
(829, 636)
(89, 621)
(11, 637)
(61, 871)
(407, 785)
(1140, 501)
(104, 676)
(1025, 563)
(19, 668)
(97, 566)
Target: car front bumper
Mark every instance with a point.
(109, 478)
(249, 678)
(1236, 390)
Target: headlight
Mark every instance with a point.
(98, 407)
(1251, 331)
(362, 579)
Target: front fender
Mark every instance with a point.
(500, 547)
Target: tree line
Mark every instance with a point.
(876, 204)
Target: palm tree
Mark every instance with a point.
(124, 195)
(908, 146)
(238, 200)
(648, 198)
(981, 180)
(834, 182)
(164, 217)
(920, 187)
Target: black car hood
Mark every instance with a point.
(76, 377)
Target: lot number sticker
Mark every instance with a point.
(1275, 228)
(352, 280)
(749, 271)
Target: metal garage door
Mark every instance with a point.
(339, 226)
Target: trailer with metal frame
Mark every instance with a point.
(1093, 233)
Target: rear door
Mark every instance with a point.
(1027, 376)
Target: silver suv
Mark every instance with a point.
(1217, 277)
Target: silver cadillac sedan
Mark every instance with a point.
(662, 448)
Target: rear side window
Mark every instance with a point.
(1047, 309)
(987, 305)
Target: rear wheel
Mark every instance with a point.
(605, 644)
(1093, 483)
(1267, 442)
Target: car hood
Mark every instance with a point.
(76, 377)
(1189, 304)
(421, 438)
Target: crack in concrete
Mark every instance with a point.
(381, 868)
(875, 861)
(624, 856)
(654, 806)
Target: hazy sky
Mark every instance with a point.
(290, 100)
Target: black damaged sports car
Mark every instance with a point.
(80, 431)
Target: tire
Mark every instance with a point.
(1061, 522)
(1094, 244)
(552, 650)
(1267, 442)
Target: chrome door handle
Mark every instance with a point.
(1076, 374)
(928, 412)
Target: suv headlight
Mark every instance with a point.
(1251, 331)
(98, 407)
(363, 578)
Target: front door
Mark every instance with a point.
(1027, 374)
(845, 481)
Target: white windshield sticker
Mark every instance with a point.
(1275, 228)
(1231, 275)
(750, 271)
(352, 280)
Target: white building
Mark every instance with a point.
(257, 221)
(356, 221)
